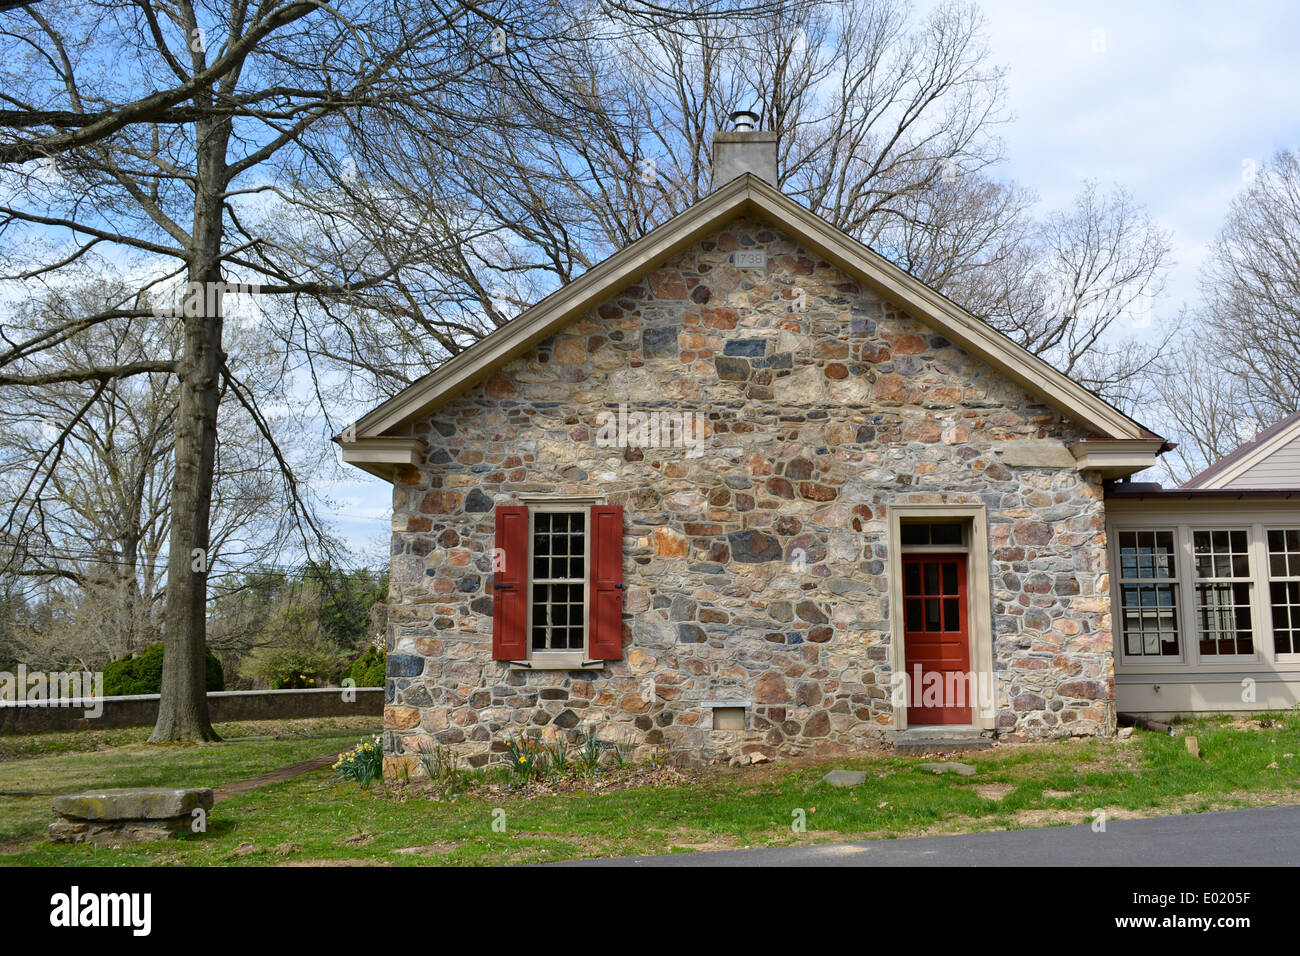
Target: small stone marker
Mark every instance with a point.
(1193, 747)
(846, 778)
(961, 769)
(126, 816)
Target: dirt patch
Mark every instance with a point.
(333, 863)
(1257, 723)
(573, 783)
(994, 791)
(710, 846)
(431, 849)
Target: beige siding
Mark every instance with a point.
(1281, 469)
(1162, 696)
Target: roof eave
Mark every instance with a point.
(382, 456)
(1117, 459)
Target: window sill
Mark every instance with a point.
(557, 661)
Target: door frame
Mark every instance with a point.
(979, 628)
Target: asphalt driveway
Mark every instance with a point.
(1266, 836)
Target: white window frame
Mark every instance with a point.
(1293, 656)
(1250, 580)
(567, 659)
(1277, 675)
(1180, 556)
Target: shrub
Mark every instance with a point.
(143, 674)
(297, 653)
(364, 763)
(369, 669)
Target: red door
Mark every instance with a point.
(936, 639)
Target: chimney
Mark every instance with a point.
(743, 149)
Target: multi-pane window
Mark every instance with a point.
(1284, 588)
(932, 594)
(917, 534)
(1223, 592)
(559, 546)
(1148, 593)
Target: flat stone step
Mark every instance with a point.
(846, 778)
(941, 740)
(948, 766)
(141, 803)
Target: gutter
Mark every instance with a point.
(1116, 492)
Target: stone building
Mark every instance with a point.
(746, 486)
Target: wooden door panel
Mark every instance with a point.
(936, 636)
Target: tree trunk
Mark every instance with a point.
(183, 709)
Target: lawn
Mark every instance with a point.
(315, 819)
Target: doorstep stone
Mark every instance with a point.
(846, 778)
(961, 769)
(144, 814)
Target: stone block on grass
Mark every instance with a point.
(144, 814)
(846, 778)
(961, 769)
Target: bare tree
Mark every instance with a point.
(876, 110)
(1238, 370)
(1201, 406)
(174, 150)
(1062, 290)
(248, 83)
(94, 497)
(1251, 291)
(886, 126)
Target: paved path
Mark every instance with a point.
(1267, 836)
(229, 790)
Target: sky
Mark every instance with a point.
(1172, 100)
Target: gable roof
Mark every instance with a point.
(1234, 466)
(747, 195)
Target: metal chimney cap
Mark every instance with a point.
(744, 121)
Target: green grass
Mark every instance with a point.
(314, 818)
(61, 742)
(27, 785)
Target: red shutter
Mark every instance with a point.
(606, 620)
(510, 585)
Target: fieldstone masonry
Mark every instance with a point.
(755, 569)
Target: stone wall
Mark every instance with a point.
(756, 570)
(141, 710)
